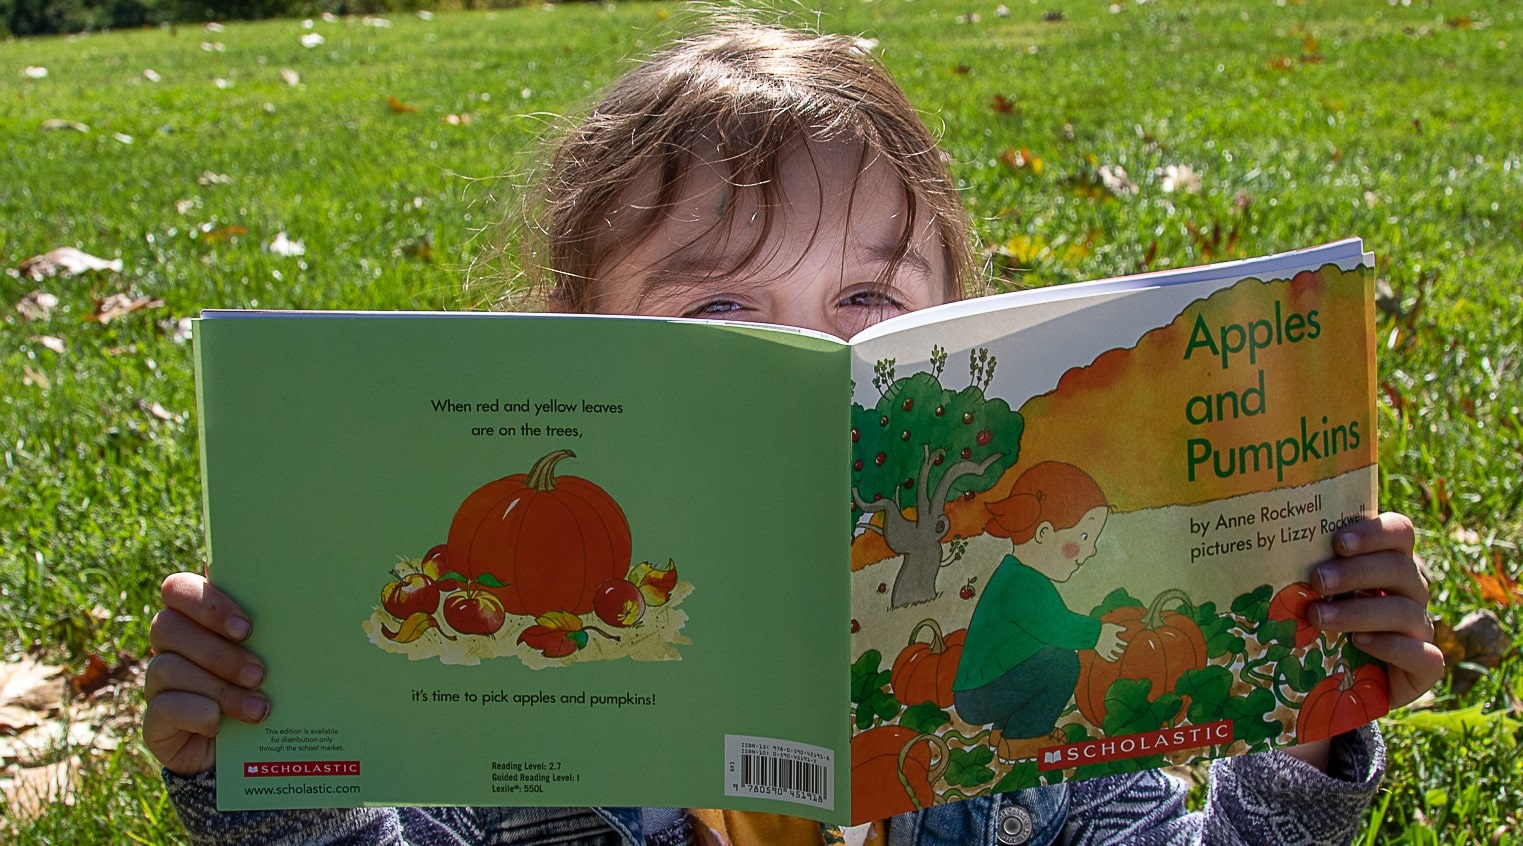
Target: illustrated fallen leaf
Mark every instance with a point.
(36, 305)
(414, 627)
(400, 107)
(120, 305)
(655, 583)
(66, 260)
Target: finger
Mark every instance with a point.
(177, 727)
(170, 672)
(1390, 571)
(1389, 531)
(173, 632)
(1413, 666)
(196, 598)
(1393, 614)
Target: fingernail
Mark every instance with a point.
(238, 628)
(251, 675)
(1362, 638)
(1348, 543)
(1326, 614)
(1328, 576)
(255, 708)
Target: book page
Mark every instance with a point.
(530, 560)
(1085, 525)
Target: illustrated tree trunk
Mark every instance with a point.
(919, 540)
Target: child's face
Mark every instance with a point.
(1058, 553)
(819, 266)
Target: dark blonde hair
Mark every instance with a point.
(1050, 492)
(755, 90)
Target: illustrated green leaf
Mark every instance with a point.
(1301, 677)
(869, 690)
(1216, 628)
(1208, 690)
(1282, 632)
(1254, 605)
(1249, 723)
(969, 767)
(1021, 776)
(1117, 598)
(1128, 710)
(489, 580)
(924, 718)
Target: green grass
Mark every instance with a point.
(1306, 122)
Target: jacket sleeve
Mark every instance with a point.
(1264, 798)
(195, 800)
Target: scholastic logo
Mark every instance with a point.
(295, 769)
(1133, 745)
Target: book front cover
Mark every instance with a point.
(498, 560)
(1085, 527)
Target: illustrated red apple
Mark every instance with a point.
(618, 603)
(966, 591)
(474, 612)
(435, 565)
(409, 595)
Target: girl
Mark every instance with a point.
(1020, 662)
(762, 175)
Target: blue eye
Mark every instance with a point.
(713, 307)
(870, 299)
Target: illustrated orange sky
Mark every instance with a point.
(1123, 419)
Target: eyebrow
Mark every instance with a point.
(685, 270)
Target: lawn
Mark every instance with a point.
(353, 163)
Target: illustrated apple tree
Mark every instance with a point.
(921, 445)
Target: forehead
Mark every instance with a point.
(824, 187)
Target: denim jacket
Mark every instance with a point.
(1267, 798)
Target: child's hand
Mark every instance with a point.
(1110, 645)
(1389, 616)
(198, 674)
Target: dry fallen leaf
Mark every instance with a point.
(32, 685)
(32, 376)
(36, 305)
(285, 247)
(53, 124)
(121, 305)
(1499, 586)
(291, 77)
(51, 342)
(400, 107)
(28, 792)
(209, 178)
(65, 260)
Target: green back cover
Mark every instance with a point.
(337, 452)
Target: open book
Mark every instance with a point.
(507, 559)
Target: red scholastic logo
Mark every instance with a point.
(296, 769)
(1134, 745)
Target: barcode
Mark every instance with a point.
(778, 769)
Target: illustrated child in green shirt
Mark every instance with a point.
(1020, 664)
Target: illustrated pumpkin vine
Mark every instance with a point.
(548, 540)
(1160, 645)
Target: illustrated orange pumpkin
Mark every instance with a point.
(1160, 645)
(1342, 702)
(1290, 604)
(892, 772)
(549, 541)
(923, 672)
